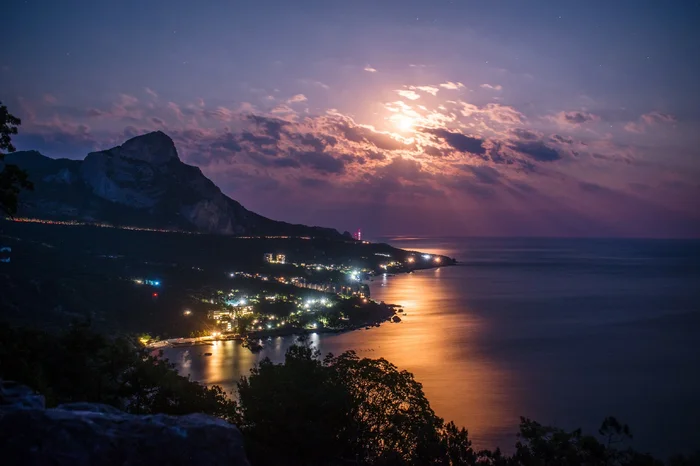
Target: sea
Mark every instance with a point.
(562, 331)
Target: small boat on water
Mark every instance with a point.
(207, 354)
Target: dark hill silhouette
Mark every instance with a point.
(141, 183)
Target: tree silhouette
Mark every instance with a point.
(12, 178)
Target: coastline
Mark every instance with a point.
(256, 336)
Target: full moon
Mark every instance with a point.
(404, 123)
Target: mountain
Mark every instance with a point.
(141, 183)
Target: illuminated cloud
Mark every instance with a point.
(428, 89)
(454, 150)
(648, 120)
(497, 87)
(498, 113)
(297, 98)
(652, 118)
(503, 114)
(452, 86)
(151, 92)
(411, 95)
(283, 109)
(369, 69)
(127, 100)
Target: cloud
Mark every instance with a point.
(537, 150)
(484, 173)
(363, 134)
(561, 139)
(283, 109)
(454, 152)
(221, 114)
(151, 92)
(369, 69)
(658, 117)
(411, 95)
(648, 120)
(634, 127)
(127, 100)
(503, 114)
(321, 161)
(526, 134)
(575, 118)
(459, 141)
(50, 99)
(432, 90)
(496, 87)
(297, 98)
(452, 86)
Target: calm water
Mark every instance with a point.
(562, 331)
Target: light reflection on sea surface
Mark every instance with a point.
(431, 342)
(562, 331)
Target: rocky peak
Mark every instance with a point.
(155, 148)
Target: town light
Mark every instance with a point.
(438, 260)
(187, 312)
(411, 260)
(426, 256)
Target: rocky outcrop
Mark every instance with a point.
(141, 183)
(80, 434)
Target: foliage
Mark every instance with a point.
(347, 410)
(307, 411)
(343, 410)
(12, 178)
(80, 365)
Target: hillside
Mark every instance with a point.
(141, 183)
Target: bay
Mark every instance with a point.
(564, 331)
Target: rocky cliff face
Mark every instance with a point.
(140, 183)
(78, 434)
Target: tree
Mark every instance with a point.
(294, 413)
(80, 365)
(343, 410)
(12, 178)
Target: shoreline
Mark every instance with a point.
(180, 342)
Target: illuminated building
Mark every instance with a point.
(275, 259)
(357, 235)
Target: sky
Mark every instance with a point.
(399, 117)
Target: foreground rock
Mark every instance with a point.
(93, 434)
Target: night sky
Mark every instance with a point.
(431, 117)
